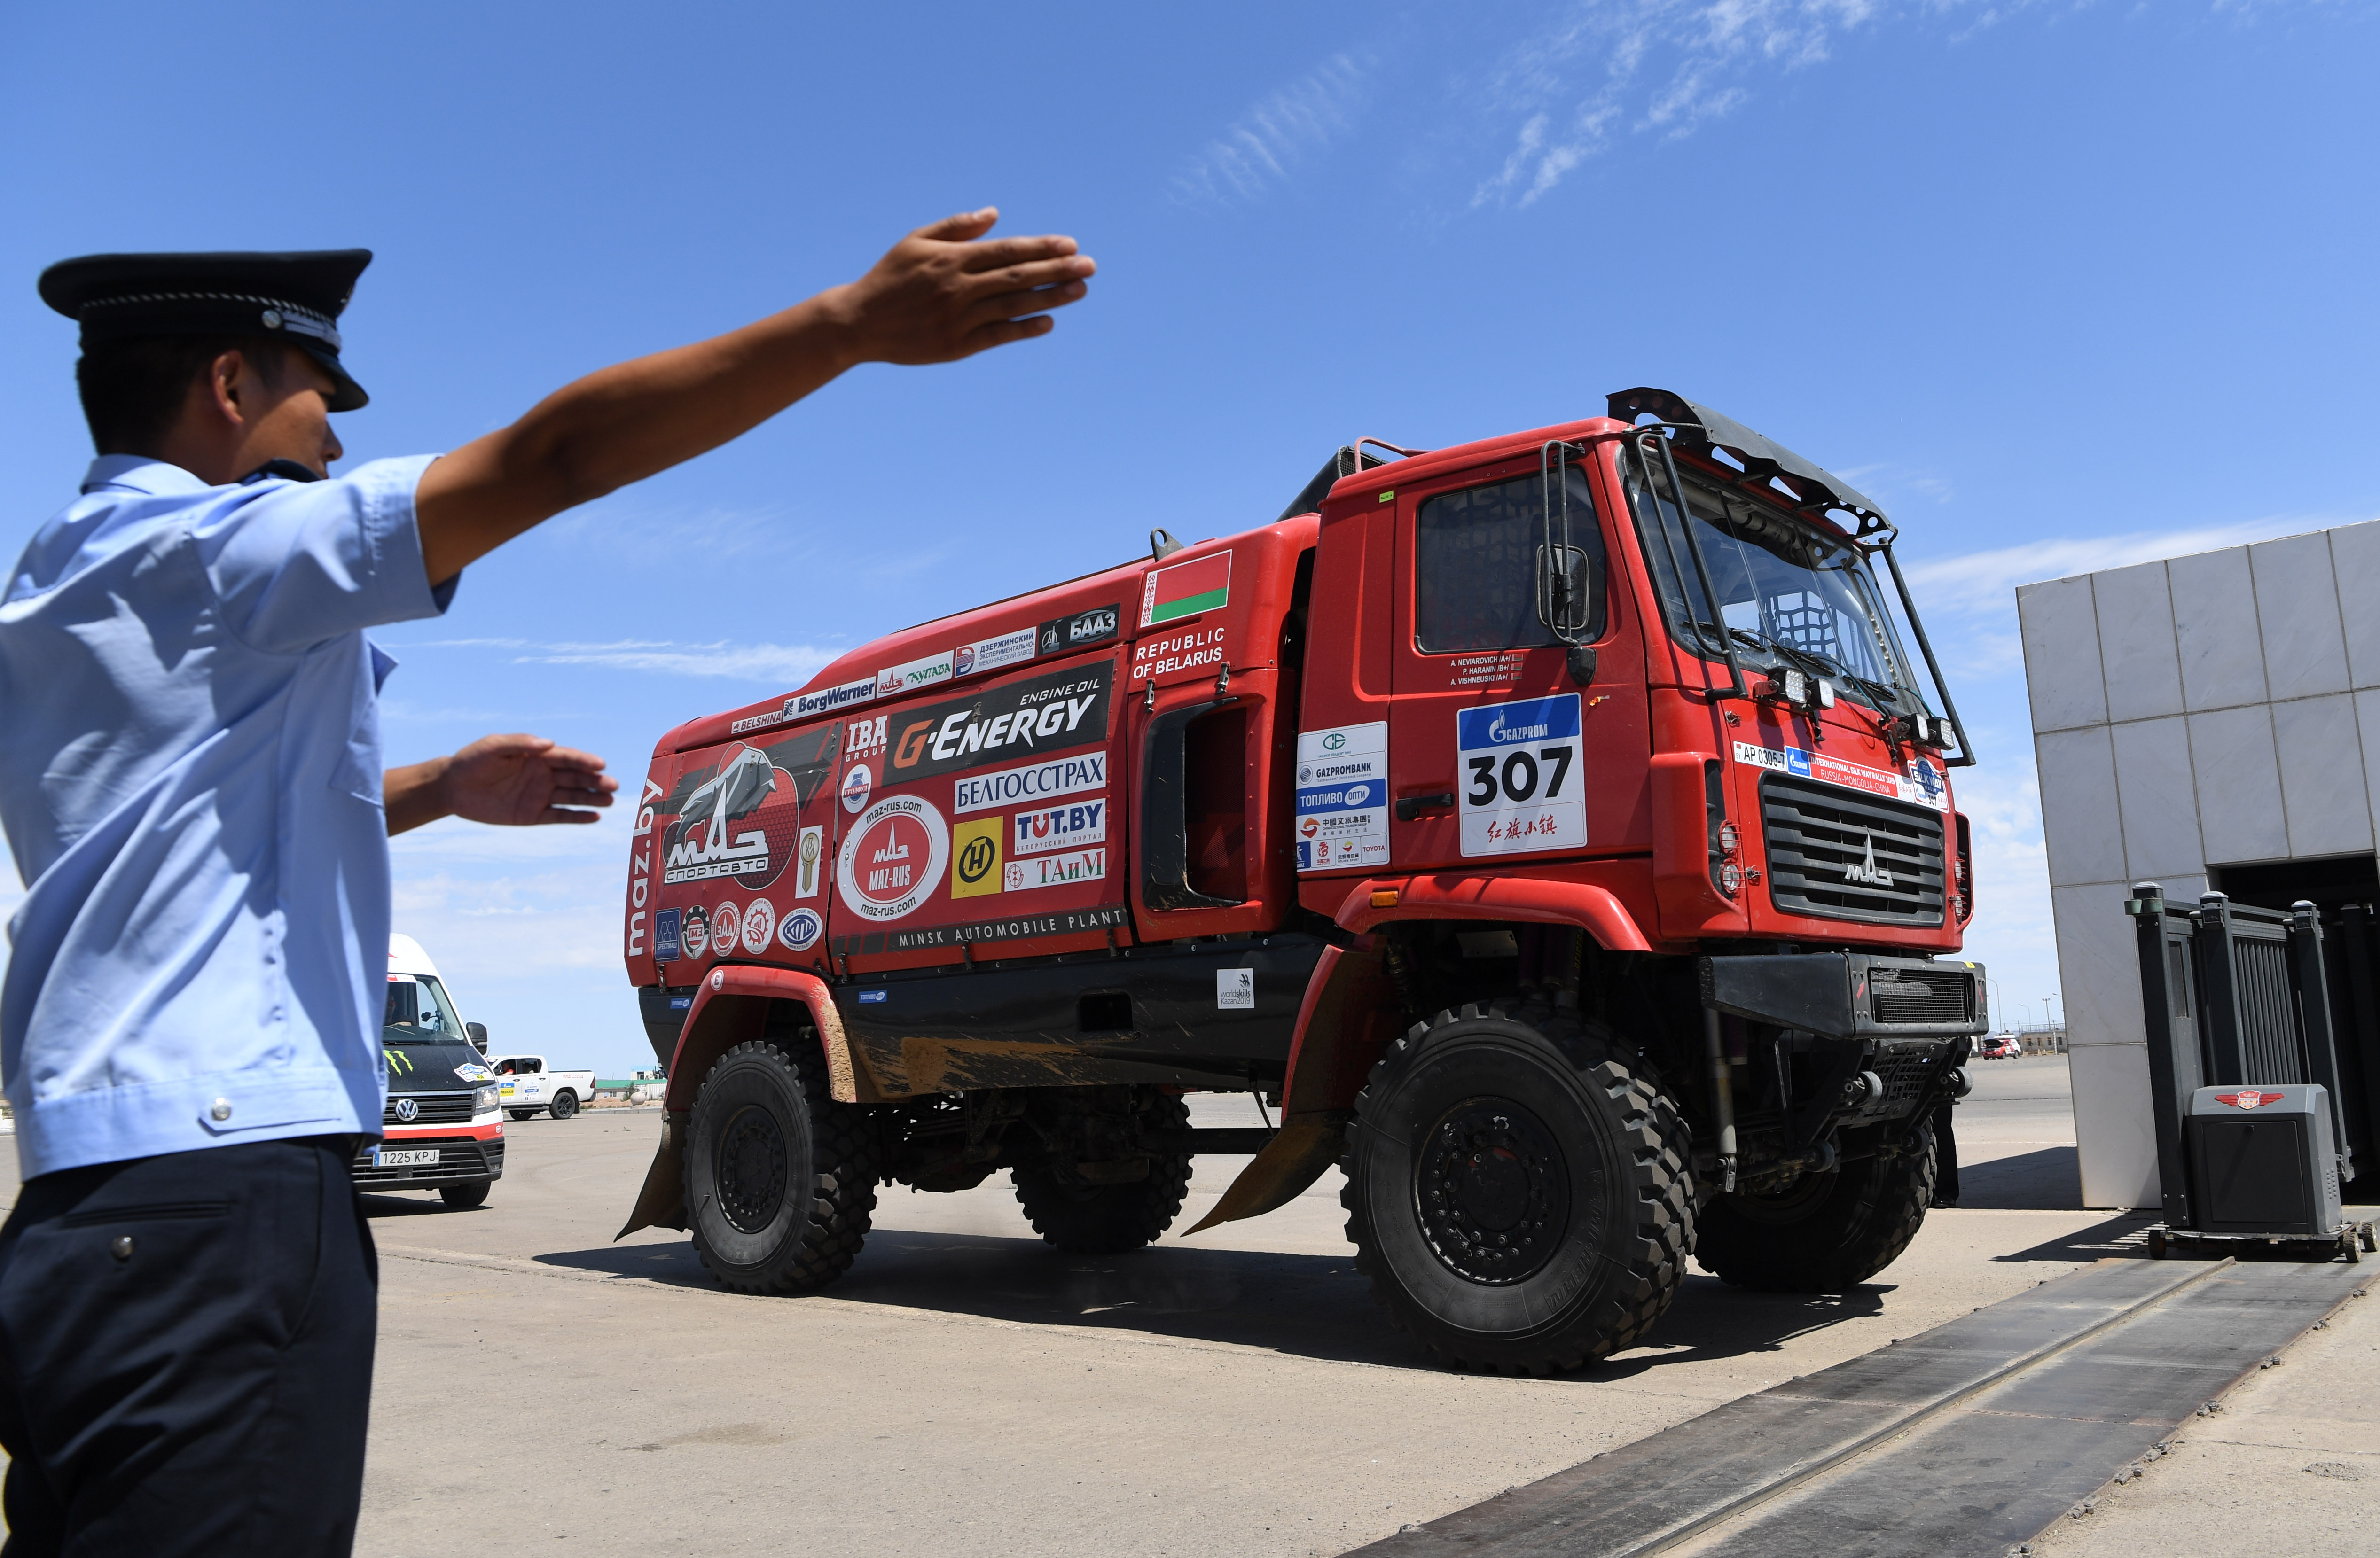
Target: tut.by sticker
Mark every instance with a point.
(1342, 797)
(759, 924)
(1916, 782)
(1059, 828)
(1521, 793)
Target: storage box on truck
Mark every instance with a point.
(1557, 824)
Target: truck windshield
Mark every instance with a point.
(419, 1013)
(1789, 590)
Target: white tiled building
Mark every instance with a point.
(2222, 709)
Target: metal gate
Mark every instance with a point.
(2234, 996)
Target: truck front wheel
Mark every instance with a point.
(780, 1179)
(1520, 1204)
(1825, 1232)
(1110, 1219)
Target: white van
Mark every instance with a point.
(445, 1128)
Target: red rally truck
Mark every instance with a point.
(1555, 826)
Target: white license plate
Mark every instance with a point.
(403, 1157)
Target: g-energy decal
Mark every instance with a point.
(1047, 713)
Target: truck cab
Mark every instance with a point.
(1556, 826)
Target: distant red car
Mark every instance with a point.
(1998, 1046)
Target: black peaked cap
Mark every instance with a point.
(296, 297)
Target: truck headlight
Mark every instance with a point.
(484, 1099)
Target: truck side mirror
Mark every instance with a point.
(1565, 602)
(478, 1032)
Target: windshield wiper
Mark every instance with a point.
(1817, 665)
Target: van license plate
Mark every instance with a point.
(403, 1157)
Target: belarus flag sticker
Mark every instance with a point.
(1185, 589)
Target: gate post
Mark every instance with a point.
(2314, 1011)
(2218, 962)
(2147, 909)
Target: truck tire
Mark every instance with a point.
(564, 1104)
(1825, 1232)
(1111, 1219)
(462, 1198)
(520, 1113)
(1520, 1201)
(780, 1179)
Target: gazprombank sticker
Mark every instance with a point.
(1342, 797)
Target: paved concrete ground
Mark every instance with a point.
(966, 1390)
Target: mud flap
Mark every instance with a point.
(1305, 1147)
(662, 1203)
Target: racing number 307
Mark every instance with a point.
(1517, 780)
(1518, 798)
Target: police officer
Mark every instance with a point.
(192, 782)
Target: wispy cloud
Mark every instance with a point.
(1602, 70)
(782, 664)
(1986, 581)
(1265, 146)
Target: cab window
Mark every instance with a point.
(1477, 564)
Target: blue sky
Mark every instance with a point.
(2030, 273)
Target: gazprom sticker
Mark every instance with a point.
(1522, 791)
(1342, 797)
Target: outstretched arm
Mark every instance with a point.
(937, 297)
(511, 780)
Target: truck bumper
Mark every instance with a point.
(1850, 994)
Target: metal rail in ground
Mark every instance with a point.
(1964, 1441)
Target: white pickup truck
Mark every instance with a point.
(527, 1087)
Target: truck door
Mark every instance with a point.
(1497, 751)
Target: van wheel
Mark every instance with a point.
(1111, 1219)
(1825, 1232)
(564, 1104)
(462, 1198)
(520, 1113)
(1520, 1204)
(780, 1179)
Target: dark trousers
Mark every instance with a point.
(186, 1352)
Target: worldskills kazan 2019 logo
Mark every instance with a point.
(739, 822)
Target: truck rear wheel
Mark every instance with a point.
(1111, 1219)
(1825, 1232)
(1519, 1205)
(780, 1179)
(564, 1104)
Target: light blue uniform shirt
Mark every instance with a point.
(190, 780)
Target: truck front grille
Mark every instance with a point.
(1901, 994)
(436, 1109)
(1835, 855)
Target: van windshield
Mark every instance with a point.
(1788, 590)
(420, 1013)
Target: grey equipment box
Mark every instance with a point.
(2262, 1160)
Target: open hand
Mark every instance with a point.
(522, 781)
(938, 295)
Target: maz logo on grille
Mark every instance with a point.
(1867, 870)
